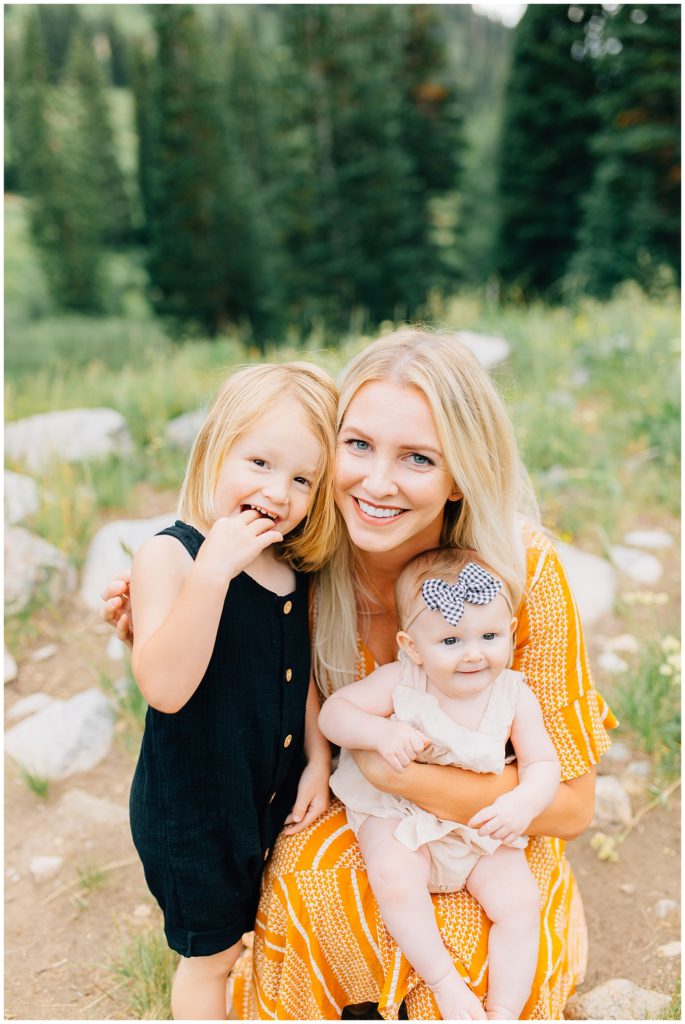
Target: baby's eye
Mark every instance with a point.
(420, 460)
(489, 636)
(449, 640)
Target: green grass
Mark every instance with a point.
(35, 783)
(131, 708)
(146, 965)
(646, 700)
(673, 1011)
(91, 877)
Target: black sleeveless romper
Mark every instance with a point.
(215, 781)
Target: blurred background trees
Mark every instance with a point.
(292, 166)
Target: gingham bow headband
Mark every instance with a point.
(475, 585)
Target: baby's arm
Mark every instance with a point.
(312, 790)
(538, 768)
(177, 603)
(358, 717)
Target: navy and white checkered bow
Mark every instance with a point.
(475, 585)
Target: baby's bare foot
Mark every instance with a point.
(455, 999)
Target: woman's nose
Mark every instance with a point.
(379, 482)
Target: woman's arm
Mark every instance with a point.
(456, 794)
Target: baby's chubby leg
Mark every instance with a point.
(199, 987)
(399, 879)
(506, 890)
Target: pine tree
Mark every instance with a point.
(631, 223)
(203, 254)
(93, 137)
(545, 163)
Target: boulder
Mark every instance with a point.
(34, 567)
(592, 580)
(21, 497)
(612, 803)
(618, 754)
(489, 351)
(67, 737)
(639, 566)
(44, 868)
(618, 999)
(11, 671)
(182, 431)
(653, 539)
(71, 436)
(29, 706)
(111, 550)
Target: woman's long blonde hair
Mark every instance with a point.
(246, 395)
(480, 449)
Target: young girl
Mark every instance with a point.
(455, 701)
(221, 654)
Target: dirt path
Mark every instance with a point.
(61, 934)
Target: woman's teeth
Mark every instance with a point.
(379, 513)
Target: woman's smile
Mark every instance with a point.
(392, 481)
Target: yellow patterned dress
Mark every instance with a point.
(320, 943)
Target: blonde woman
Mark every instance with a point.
(426, 457)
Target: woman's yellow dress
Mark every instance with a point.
(319, 941)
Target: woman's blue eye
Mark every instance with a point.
(357, 445)
(421, 460)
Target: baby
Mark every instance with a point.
(450, 698)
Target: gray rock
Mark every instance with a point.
(654, 539)
(43, 653)
(489, 351)
(618, 754)
(665, 908)
(78, 806)
(21, 497)
(592, 580)
(636, 777)
(111, 550)
(71, 436)
(30, 705)
(671, 949)
(11, 671)
(67, 737)
(182, 431)
(612, 803)
(44, 868)
(618, 999)
(639, 566)
(34, 567)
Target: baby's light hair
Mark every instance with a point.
(247, 394)
(444, 563)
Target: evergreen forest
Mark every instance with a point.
(278, 168)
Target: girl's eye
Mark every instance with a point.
(302, 480)
(421, 460)
(449, 640)
(259, 462)
(489, 636)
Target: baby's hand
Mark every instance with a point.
(400, 743)
(506, 819)
(235, 541)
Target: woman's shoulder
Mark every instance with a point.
(541, 554)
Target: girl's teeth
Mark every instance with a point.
(379, 513)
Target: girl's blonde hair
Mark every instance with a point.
(244, 397)
(480, 450)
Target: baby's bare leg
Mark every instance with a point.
(399, 879)
(199, 987)
(506, 890)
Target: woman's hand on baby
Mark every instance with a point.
(313, 797)
(116, 610)
(399, 743)
(235, 541)
(506, 819)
